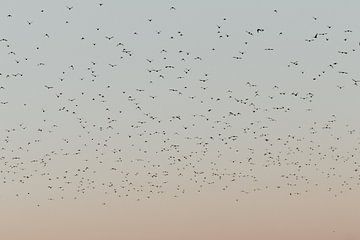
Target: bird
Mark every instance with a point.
(172, 107)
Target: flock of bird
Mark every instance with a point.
(151, 112)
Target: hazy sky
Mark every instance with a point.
(179, 119)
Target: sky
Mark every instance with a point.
(179, 119)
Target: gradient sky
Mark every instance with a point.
(40, 141)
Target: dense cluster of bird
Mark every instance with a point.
(143, 111)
